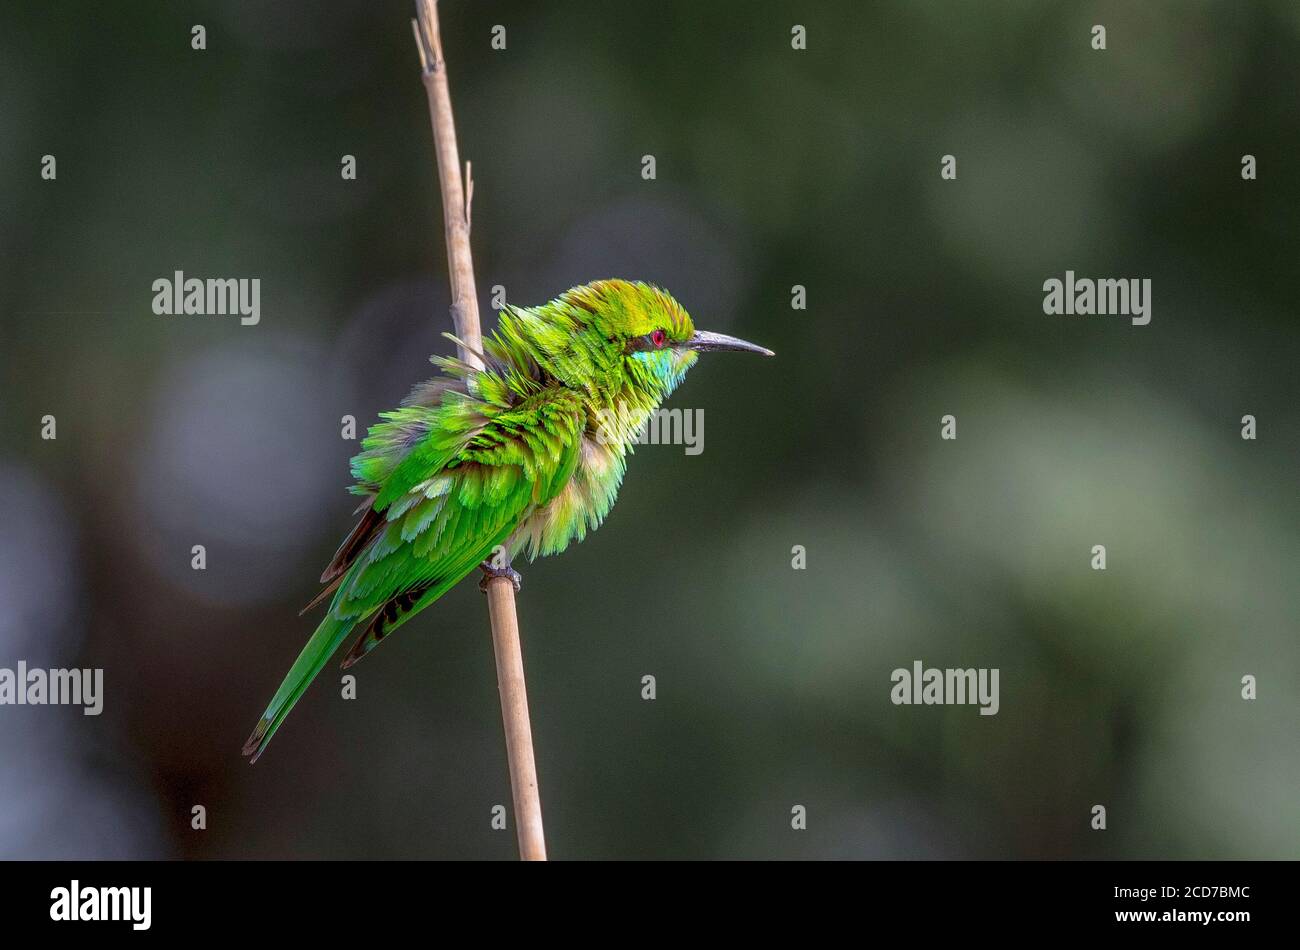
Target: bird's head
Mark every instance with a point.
(651, 331)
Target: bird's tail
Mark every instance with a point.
(311, 661)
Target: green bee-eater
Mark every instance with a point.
(526, 454)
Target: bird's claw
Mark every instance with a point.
(490, 573)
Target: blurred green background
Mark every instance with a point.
(775, 167)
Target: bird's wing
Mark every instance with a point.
(440, 509)
(436, 422)
(442, 513)
(421, 437)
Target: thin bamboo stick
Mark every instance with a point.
(457, 196)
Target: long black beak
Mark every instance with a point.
(706, 342)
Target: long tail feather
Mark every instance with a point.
(311, 661)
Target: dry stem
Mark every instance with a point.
(457, 195)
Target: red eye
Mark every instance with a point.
(658, 338)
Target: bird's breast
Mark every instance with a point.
(580, 506)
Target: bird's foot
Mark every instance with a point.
(490, 572)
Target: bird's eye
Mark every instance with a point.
(658, 338)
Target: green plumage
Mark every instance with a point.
(527, 454)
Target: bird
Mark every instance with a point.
(478, 465)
